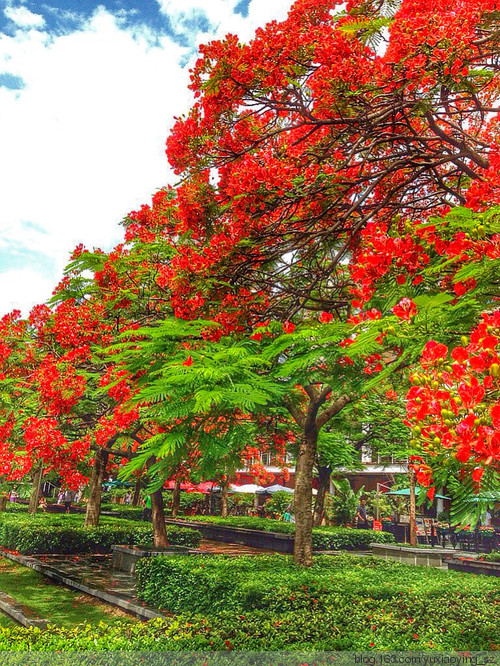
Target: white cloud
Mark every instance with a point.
(24, 18)
(82, 143)
(222, 17)
(20, 289)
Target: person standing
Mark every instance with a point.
(147, 513)
(361, 515)
(68, 498)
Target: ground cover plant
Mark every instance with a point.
(342, 602)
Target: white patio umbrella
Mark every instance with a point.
(249, 488)
(270, 490)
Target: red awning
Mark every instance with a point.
(185, 485)
(205, 487)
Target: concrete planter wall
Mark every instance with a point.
(280, 543)
(435, 557)
(475, 566)
(125, 558)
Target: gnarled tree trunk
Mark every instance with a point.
(323, 485)
(176, 498)
(158, 516)
(35, 490)
(302, 553)
(93, 512)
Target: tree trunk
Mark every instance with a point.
(158, 510)
(35, 491)
(176, 498)
(224, 507)
(93, 512)
(413, 520)
(302, 552)
(137, 491)
(323, 485)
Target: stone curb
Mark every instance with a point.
(59, 577)
(20, 613)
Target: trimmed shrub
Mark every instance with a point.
(123, 511)
(324, 538)
(265, 603)
(65, 535)
(340, 603)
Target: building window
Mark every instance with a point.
(366, 454)
(265, 458)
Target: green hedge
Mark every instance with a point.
(335, 629)
(264, 603)
(343, 602)
(324, 538)
(65, 535)
(124, 511)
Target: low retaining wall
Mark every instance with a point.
(140, 610)
(20, 613)
(279, 543)
(476, 567)
(427, 557)
(125, 558)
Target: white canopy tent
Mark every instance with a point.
(270, 490)
(252, 488)
(249, 488)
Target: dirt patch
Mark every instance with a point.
(112, 611)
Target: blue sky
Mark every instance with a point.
(88, 91)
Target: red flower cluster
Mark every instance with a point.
(454, 404)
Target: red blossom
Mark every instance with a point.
(405, 309)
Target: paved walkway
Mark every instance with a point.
(221, 548)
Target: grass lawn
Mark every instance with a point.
(5, 621)
(52, 602)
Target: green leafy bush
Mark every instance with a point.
(341, 603)
(494, 556)
(240, 501)
(324, 538)
(345, 538)
(65, 535)
(279, 502)
(124, 511)
(266, 603)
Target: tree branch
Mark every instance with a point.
(333, 408)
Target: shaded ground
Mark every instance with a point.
(53, 602)
(220, 548)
